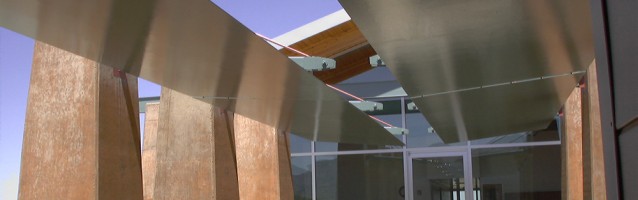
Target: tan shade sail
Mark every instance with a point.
(194, 47)
(446, 47)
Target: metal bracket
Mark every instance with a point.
(397, 130)
(375, 61)
(313, 63)
(412, 106)
(367, 106)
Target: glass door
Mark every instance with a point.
(440, 176)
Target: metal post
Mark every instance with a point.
(407, 187)
(467, 162)
(313, 170)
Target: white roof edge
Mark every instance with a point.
(312, 28)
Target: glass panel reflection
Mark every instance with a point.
(438, 178)
(368, 176)
(302, 177)
(299, 144)
(333, 146)
(422, 134)
(518, 173)
(550, 133)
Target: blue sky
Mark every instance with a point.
(267, 17)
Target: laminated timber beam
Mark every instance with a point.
(188, 150)
(81, 138)
(593, 156)
(193, 150)
(345, 44)
(149, 149)
(583, 157)
(263, 160)
(572, 147)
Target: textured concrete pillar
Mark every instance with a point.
(192, 148)
(81, 138)
(263, 160)
(572, 147)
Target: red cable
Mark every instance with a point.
(333, 87)
(346, 93)
(379, 120)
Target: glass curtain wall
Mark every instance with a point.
(518, 166)
(518, 172)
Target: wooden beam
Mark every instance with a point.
(583, 157)
(349, 65)
(596, 165)
(195, 147)
(194, 152)
(332, 42)
(572, 148)
(263, 160)
(149, 150)
(227, 186)
(346, 44)
(81, 138)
